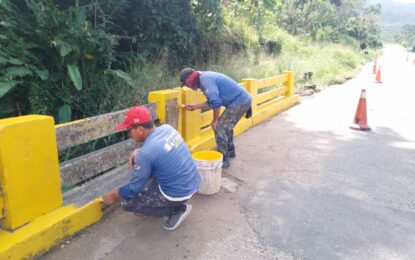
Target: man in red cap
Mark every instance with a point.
(165, 175)
(220, 90)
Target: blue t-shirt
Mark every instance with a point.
(166, 157)
(221, 90)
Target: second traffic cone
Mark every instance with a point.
(378, 78)
(360, 118)
(374, 67)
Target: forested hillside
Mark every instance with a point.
(398, 21)
(396, 13)
(77, 58)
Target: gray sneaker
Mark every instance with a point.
(226, 164)
(174, 221)
(232, 154)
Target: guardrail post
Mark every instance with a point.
(192, 120)
(29, 169)
(290, 83)
(168, 104)
(251, 86)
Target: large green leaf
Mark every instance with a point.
(43, 74)
(15, 61)
(6, 86)
(64, 49)
(123, 75)
(64, 114)
(19, 71)
(75, 75)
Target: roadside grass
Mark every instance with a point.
(330, 64)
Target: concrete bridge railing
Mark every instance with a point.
(34, 212)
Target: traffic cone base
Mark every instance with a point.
(378, 78)
(360, 118)
(361, 128)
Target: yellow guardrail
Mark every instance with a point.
(31, 198)
(1, 205)
(32, 215)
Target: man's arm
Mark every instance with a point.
(139, 178)
(197, 106)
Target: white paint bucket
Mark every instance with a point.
(209, 164)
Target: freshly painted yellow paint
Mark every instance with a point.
(252, 88)
(48, 230)
(271, 81)
(290, 84)
(269, 95)
(207, 155)
(191, 119)
(272, 108)
(29, 169)
(1, 206)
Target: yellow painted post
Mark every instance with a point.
(29, 169)
(161, 97)
(290, 84)
(192, 120)
(1, 204)
(253, 90)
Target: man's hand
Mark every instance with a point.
(214, 124)
(133, 155)
(190, 107)
(111, 197)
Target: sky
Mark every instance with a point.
(404, 1)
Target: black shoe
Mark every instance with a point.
(226, 164)
(175, 220)
(232, 154)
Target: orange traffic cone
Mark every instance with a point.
(374, 67)
(378, 78)
(414, 61)
(360, 118)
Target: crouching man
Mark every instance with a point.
(165, 175)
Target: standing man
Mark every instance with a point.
(220, 90)
(165, 175)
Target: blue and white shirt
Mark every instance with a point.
(166, 157)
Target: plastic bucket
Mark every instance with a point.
(209, 164)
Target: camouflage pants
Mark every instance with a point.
(151, 202)
(224, 129)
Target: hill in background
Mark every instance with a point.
(395, 13)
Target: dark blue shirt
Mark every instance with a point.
(166, 157)
(221, 90)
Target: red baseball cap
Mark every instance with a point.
(135, 116)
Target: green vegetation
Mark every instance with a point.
(78, 58)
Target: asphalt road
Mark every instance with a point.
(308, 187)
